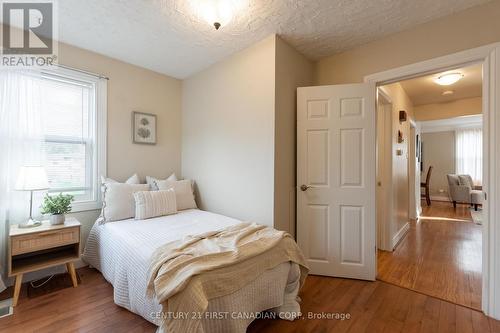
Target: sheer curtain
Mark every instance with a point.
(469, 153)
(20, 144)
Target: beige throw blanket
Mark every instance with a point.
(186, 274)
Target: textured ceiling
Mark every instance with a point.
(424, 90)
(165, 36)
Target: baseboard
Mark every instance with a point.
(400, 235)
(440, 198)
(419, 213)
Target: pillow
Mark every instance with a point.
(465, 180)
(183, 192)
(118, 200)
(152, 181)
(134, 179)
(154, 203)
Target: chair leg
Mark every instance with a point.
(428, 195)
(475, 207)
(455, 204)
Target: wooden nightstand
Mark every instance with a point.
(42, 247)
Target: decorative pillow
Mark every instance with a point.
(134, 179)
(183, 192)
(152, 181)
(154, 203)
(465, 180)
(118, 200)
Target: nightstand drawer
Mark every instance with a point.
(44, 240)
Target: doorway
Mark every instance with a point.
(435, 244)
(336, 210)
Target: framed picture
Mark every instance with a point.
(144, 128)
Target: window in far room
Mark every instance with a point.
(469, 153)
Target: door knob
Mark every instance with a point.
(304, 187)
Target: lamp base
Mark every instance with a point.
(30, 224)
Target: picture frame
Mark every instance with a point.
(143, 128)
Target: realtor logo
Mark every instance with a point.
(28, 36)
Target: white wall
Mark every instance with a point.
(228, 134)
(457, 108)
(400, 172)
(412, 171)
(439, 152)
(239, 133)
(131, 88)
(292, 70)
(464, 30)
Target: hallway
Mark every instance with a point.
(440, 256)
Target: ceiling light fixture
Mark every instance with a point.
(448, 92)
(217, 12)
(448, 79)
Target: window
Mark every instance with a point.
(71, 107)
(469, 153)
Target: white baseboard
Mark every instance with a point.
(400, 235)
(440, 198)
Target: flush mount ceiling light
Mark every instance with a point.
(448, 79)
(217, 12)
(448, 92)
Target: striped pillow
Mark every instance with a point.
(150, 204)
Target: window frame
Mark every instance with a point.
(98, 120)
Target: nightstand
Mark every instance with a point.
(42, 247)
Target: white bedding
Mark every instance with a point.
(121, 250)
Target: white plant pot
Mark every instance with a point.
(57, 219)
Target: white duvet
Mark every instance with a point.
(122, 250)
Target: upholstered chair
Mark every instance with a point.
(463, 190)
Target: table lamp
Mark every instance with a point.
(32, 178)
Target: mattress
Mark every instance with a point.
(121, 251)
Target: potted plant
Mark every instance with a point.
(57, 206)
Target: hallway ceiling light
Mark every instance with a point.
(448, 79)
(217, 12)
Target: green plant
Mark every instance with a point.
(57, 204)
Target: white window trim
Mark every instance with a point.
(100, 166)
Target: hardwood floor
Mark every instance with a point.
(440, 256)
(372, 307)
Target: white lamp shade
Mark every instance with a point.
(32, 178)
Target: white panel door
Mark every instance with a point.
(336, 170)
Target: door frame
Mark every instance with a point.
(489, 56)
(413, 182)
(384, 224)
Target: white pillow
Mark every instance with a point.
(118, 200)
(154, 203)
(134, 179)
(152, 181)
(183, 192)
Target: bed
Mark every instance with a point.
(121, 251)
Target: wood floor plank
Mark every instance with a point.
(480, 323)
(440, 256)
(447, 318)
(464, 320)
(372, 307)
